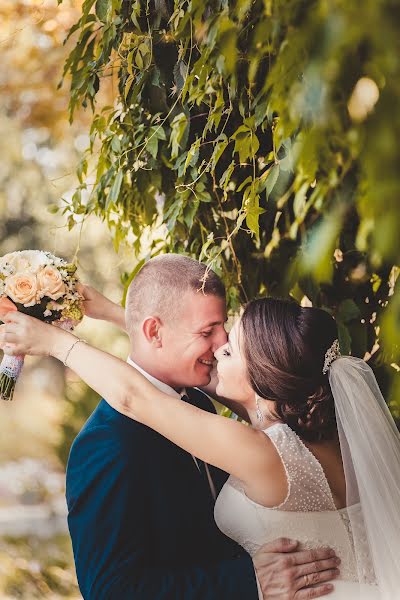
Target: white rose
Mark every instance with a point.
(26, 260)
(36, 259)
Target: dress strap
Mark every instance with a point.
(308, 488)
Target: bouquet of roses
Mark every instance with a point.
(43, 286)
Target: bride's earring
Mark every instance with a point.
(259, 412)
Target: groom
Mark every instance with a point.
(140, 508)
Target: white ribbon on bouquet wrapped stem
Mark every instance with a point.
(10, 370)
(11, 366)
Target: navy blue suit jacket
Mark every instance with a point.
(141, 517)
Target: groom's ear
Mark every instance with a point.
(152, 331)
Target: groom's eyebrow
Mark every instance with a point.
(213, 324)
(208, 325)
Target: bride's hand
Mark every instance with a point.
(22, 334)
(97, 306)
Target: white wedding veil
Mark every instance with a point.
(370, 447)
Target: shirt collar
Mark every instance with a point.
(163, 387)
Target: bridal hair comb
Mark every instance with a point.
(331, 355)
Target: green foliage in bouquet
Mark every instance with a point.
(260, 137)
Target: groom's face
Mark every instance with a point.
(189, 341)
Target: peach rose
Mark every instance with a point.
(22, 288)
(50, 283)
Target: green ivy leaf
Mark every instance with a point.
(178, 128)
(251, 206)
(192, 155)
(115, 190)
(190, 212)
(246, 143)
(103, 10)
(219, 149)
(152, 145)
(271, 180)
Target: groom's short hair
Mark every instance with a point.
(161, 284)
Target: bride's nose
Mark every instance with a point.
(218, 351)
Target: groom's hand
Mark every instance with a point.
(287, 573)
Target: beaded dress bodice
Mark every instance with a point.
(308, 513)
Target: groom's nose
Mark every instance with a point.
(219, 339)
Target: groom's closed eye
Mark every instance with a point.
(206, 333)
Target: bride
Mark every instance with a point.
(320, 462)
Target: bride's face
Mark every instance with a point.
(233, 381)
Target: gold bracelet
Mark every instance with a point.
(70, 350)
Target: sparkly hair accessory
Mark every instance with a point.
(331, 355)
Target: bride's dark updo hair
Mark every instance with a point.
(284, 345)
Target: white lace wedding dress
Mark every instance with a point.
(308, 514)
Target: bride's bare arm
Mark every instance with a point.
(232, 446)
